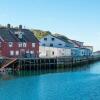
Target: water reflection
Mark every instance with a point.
(71, 83)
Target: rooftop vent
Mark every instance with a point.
(20, 27)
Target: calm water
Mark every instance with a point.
(79, 83)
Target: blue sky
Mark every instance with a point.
(77, 19)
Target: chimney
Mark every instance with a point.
(8, 26)
(20, 27)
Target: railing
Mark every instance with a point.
(7, 62)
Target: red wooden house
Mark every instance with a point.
(18, 42)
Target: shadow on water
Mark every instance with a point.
(18, 74)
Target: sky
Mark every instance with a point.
(76, 19)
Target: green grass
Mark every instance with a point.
(40, 34)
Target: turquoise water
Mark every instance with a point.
(79, 83)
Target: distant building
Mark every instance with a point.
(81, 50)
(18, 42)
(96, 53)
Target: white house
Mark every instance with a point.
(52, 46)
(54, 52)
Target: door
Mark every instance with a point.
(22, 53)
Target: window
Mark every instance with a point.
(51, 45)
(33, 44)
(17, 53)
(27, 51)
(53, 39)
(0, 44)
(53, 53)
(11, 52)
(24, 44)
(45, 39)
(31, 52)
(19, 44)
(10, 44)
(59, 44)
(43, 44)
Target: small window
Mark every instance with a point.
(17, 53)
(45, 39)
(31, 52)
(0, 44)
(10, 44)
(33, 45)
(53, 53)
(11, 52)
(24, 44)
(27, 51)
(19, 44)
(53, 39)
(43, 44)
(51, 45)
(59, 44)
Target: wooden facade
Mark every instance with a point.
(18, 45)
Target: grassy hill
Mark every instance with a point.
(39, 33)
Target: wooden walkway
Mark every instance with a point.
(44, 63)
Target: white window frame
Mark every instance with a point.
(33, 45)
(31, 52)
(27, 51)
(17, 52)
(11, 53)
(10, 44)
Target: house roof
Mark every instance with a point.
(65, 39)
(76, 42)
(61, 37)
(5, 35)
(8, 35)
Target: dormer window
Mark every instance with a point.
(10, 44)
(19, 34)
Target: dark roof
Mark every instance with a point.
(61, 37)
(65, 39)
(4, 34)
(8, 35)
(76, 43)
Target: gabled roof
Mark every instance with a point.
(5, 35)
(8, 35)
(60, 37)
